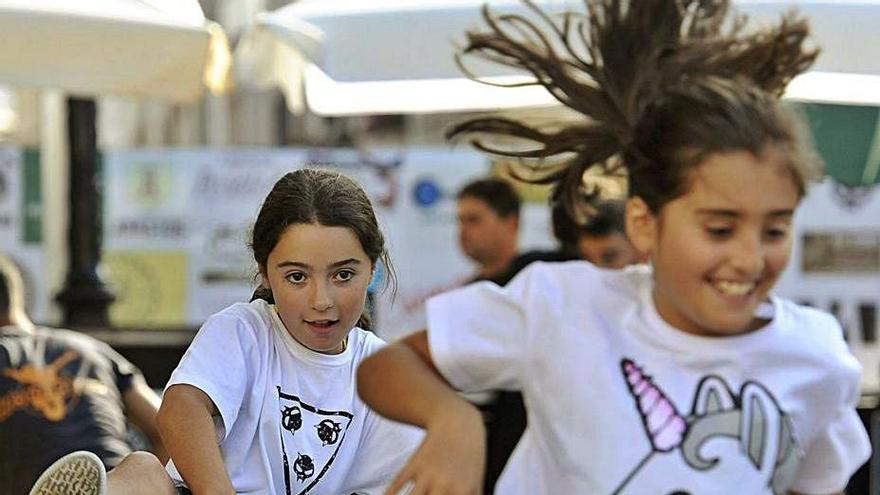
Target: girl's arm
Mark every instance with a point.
(187, 427)
(402, 383)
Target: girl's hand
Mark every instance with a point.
(451, 459)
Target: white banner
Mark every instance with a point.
(177, 225)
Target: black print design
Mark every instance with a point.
(328, 431)
(291, 419)
(304, 467)
(315, 453)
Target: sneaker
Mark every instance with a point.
(78, 473)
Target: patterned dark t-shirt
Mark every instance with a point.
(60, 391)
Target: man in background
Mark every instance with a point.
(488, 227)
(62, 391)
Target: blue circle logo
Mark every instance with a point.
(427, 192)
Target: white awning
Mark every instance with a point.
(156, 48)
(341, 57)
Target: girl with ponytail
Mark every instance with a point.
(685, 376)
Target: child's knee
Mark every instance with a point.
(141, 460)
(140, 472)
(142, 467)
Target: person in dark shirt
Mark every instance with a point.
(62, 391)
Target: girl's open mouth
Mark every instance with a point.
(321, 326)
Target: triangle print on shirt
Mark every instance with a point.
(310, 440)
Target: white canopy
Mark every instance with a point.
(342, 57)
(848, 32)
(157, 48)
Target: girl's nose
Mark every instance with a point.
(748, 255)
(322, 299)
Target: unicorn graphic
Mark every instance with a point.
(744, 437)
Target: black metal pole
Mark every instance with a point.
(85, 299)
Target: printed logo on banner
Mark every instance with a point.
(150, 183)
(377, 174)
(852, 197)
(226, 258)
(427, 192)
(310, 439)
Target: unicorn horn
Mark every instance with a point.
(664, 424)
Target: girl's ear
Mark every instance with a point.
(641, 225)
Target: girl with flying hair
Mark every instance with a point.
(683, 377)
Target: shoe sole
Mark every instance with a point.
(79, 473)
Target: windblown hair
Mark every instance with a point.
(641, 72)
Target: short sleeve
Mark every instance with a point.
(217, 362)
(840, 448)
(478, 334)
(124, 372)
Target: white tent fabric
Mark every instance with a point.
(340, 57)
(848, 33)
(145, 48)
(384, 56)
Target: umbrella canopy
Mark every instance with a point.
(848, 68)
(156, 48)
(385, 56)
(396, 56)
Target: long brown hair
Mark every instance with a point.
(651, 80)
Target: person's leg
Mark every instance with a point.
(83, 473)
(140, 473)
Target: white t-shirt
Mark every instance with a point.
(291, 421)
(619, 402)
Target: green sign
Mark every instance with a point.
(848, 138)
(32, 202)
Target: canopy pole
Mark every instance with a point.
(85, 299)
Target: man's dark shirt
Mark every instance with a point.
(60, 391)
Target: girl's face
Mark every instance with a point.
(319, 276)
(718, 250)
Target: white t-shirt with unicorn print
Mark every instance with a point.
(619, 402)
(291, 421)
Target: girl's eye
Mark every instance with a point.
(776, 233)
(296, 277)
(719, 232)
(344, 275)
